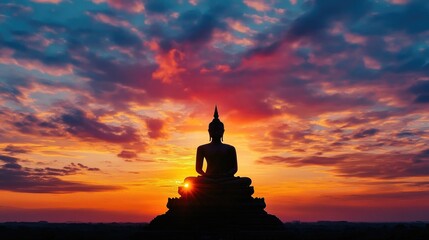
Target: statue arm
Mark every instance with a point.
(234, 168)
(199, 161)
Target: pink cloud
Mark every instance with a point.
(262, 19)
(399, 2)
(104, 18)
(280, 10)
(356, 39)
(7, 58)
(193, 2)
(258, 5)
(133, 6)
(169, 65)
(223, 68)
(225, 37)
(238, 26)
(371, 63)
(155, 128)
(47, 1)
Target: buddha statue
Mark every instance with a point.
(216, 199)
(221, 158)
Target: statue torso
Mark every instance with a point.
(220, 158)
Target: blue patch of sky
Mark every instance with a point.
(64, 12)
(12, 27)
(44, 100)
(230, 48)
(10, 71)
(18, 107)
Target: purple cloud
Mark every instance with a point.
(366, 133)
(11, 149)
(155, 128)
(16, 178)
(421, 90)
(79, 124)
(364, 165)
(127, 154)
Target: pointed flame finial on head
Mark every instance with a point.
(216, 123)
(216, 127)
(216, 114)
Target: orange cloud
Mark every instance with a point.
(223, 37)
(169, 66)
(262, 19)
(134, 6)
(238, 26)
(258, 5)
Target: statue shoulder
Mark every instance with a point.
(229, 146)
(201, 147)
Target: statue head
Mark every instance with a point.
(216, 128)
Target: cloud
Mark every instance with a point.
(336, 67)
(411, 18)
(47, 1)
(405, 134)
(16, 178)
(71, 169)
(194, 28)
(71, 121)
(132, 6)
(155, 128)
(421, 90)
(159, 7)
(366, 133)
(16, 181)
(87, 168)
(33, 125)
(364, 165)
(11, 149)
(127, 154)
(322, 14)
(257, 5)
(8, 159)
(360, 119)
(79, 124)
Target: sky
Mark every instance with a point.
(104, 102)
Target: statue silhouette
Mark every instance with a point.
(221, 158)
(216, 199)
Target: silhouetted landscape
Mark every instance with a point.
(293, 230)
(200, 119)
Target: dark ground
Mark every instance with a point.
(292, 231)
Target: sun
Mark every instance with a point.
(187, 185)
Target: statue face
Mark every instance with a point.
(216, 132)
